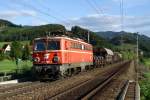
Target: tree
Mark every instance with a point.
(26, 52)
(16, 50)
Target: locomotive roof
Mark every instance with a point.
(77, 40)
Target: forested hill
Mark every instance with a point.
(109, 34)
(22, 33)
(5, 23)
(13, 32)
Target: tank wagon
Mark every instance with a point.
(54, 56)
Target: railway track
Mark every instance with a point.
(109, 83)
(115, 90)
(88, 89)
(131, 91)
(71, 89)
(37, 90)
(112, 91)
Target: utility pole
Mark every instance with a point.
(88, 36)
(49, 33)
(122, 22)
(137, 55)
(137, 51)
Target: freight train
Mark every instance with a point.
(62, 56)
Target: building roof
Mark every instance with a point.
(5, 46)
(1, 49)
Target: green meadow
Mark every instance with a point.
(10, 65)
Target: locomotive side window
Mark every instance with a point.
(88, 48)
(80, 46)
(39, 45)
(76, 45)
(53, 45)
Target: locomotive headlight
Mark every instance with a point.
(46, 56)
(37, 59)
(56, 59)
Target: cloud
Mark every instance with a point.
(112, 23)
(96, 22)
(37, 22)
(14, 13)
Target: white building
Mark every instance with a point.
(6, 48)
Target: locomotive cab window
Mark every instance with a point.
(39, 45)
(53, 45)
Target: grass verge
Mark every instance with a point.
(10, 65)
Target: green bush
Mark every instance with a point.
(145, 87)
(16, 50)
(2, 57)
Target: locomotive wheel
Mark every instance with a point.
(78, 70)
(34, 74)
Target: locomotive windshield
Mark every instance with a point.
(39, 45)
(53, 45)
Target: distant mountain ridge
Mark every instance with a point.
(127, 37)
(109, 34)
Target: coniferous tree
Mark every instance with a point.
(26, 52)
(16, 50)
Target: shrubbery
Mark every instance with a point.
(4, 56)
(145, 87)
(18, 51)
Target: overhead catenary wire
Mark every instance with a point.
(122, 14)
(13, 8)
(59, 15)
(121, 19)
(42, 5)
(39, 11)
(98, 10)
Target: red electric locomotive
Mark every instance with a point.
(55, 56)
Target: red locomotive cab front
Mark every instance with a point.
(46, 51)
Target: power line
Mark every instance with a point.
(122, 19)
(122, 14)
(42, 5)
(97, 9)
(8, 6)
(137, 54)
(38, 10)
(51, 10)
(95, 3)
(93, 6)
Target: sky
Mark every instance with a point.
(95, 15)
